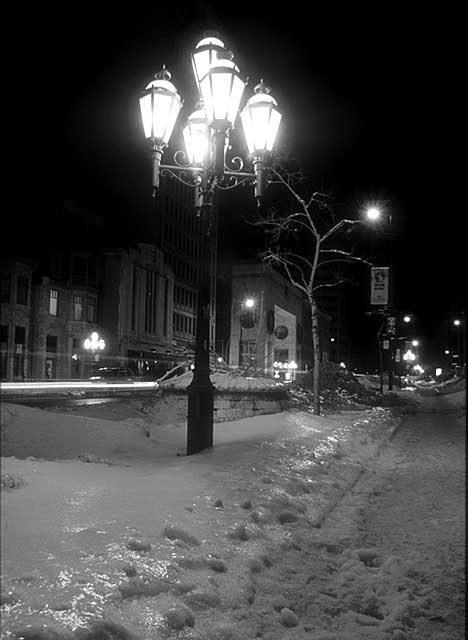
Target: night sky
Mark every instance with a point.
(371, 108)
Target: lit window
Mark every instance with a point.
(53, 302)
(77, 307)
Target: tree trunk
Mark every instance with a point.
(316, 343)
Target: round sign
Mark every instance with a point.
(281, 332)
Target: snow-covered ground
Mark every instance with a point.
(109, 535)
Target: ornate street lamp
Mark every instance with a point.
(204, 166)
(94, 344)
(160, 105)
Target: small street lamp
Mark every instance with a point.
(460, 340)
(205, 166)
(246, 320)
(94, 344)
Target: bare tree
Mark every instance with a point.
(302, 240)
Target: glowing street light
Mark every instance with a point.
(373, 213)
(94, 344)
(246, 320)
(206, 167)
(407, 319)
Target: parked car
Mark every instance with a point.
(113, 374)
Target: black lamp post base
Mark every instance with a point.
(200, 415)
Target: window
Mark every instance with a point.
(22, 291)
(92, 273)
(79, 271)
(91, 310)
(150, 302)
(51, 344)
(5, 288)
(4, 333)
(3, 350)
(77, 307)
(53, 302)
(18, 359)
(20, 335)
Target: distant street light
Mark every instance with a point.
(415, 343)
(245, 320)
(409, 356)
(94, 344)
(373, 213)
(458, 323)
(406, 319)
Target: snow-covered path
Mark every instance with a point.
(394, 547)
(232, 544)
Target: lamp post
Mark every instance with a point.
(94, 344)
(205, 166)
(459, 329)
(245, 320)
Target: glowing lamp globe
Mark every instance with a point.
(221, 90)
(160, 105)
(206, 53)
(260, 121)
(373, 213)
(196, 138)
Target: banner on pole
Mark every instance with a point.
(391, 325)
(380, 285)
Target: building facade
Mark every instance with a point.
(274, 333)
(179, 238)
(50, 308)
(137, 308)
(15, 318)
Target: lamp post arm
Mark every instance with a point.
(156, 155)
(258, 166)
(337, 226)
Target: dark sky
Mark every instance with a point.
(371, 108)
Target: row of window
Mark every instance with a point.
(181, 241)
(20, 335)
(185, 297)
(178, 207)
(80, 310)
(22, 289)
(184, 324)
(182, 269)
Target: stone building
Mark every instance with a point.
(15, 317)
(274, 333)
(137, 308)
(50, 307)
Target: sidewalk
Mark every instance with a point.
(109, 527)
